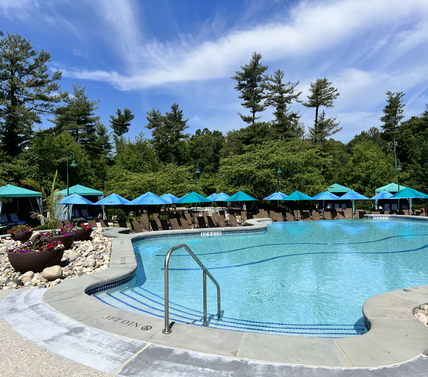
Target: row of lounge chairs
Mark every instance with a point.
(14, 220)
(83, 214)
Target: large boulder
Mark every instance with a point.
(52, 273)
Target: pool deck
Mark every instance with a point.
(67, 321)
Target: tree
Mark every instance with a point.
(27, 91)
(250, 83)
(168, 134)
(205, 147)
(280, 95)
(393, 114)
(324, 129)
(121, 124)
(77, 117)
(322, 94)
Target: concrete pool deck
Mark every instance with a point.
(67, 321)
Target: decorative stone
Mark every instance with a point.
(90, 262)
(29, 274)
(52, 273)
(422, 317)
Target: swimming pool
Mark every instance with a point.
(300, 278)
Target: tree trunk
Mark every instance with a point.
(395, 152)
(316, 124)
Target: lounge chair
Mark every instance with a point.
(201, 222)
(297, 215)
(174, 224)
(244, 217)
(104, 224)
(221, 222)
(279, 217)
(5, 221)
(122, 223)
(315, 215)
(157, 219)
(145, 221)
(14, 219)
(67, 222)
(75, 214)
(137, 227)
(360, 214)
(211, 223)
(272, 215)
(189, 219)
(184, 224)
(59, 224)
(290, 217)
(154, 225)
(86, 215)
(328, 215)
(93, 223)
(306, 215)
(348, 213)
(232, 220)
(164, 224)
(340, 215)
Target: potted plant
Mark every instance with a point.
(82, 231)
(65, 235)
(21, 233)
(36, 256)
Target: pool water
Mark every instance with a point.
(299, 278)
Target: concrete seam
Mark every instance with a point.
(341, 351)
(242, 342)
(396, 298)
(131, 358)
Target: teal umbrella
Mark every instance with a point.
(409, 193)
(240, 197)
(297, 195)
(193, 197)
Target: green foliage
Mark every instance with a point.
(205, 147)
(368, 168)
(116, 212)
(254, 171)
(280, 95)
(325, 128)
(250, 83)
(322, 94)
(122, 122)
(168, 134)
(26, 91)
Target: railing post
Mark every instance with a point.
(166, 330)
(205, 299)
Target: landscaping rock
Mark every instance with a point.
(52, 273)
(85, 257)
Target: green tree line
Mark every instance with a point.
(244, 159)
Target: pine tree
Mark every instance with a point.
(280, 95)
(323, 94)
(26, 91)
(122, 122)
(77, 117)
(168, 134)
(393, 115)
(326, 127)
(250, 83)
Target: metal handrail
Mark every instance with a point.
(167, 329)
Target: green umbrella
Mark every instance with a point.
(193, 197)
(240, 197)
(409, 193)
(297, 195)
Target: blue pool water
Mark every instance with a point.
(300, 278)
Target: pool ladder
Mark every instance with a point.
(167, 329)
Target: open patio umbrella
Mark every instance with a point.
(382, 195)
(353, 195)
(169, 198)
(220, 197)
(113, 200)
(212, 196)
(193, 197)
(276, 196)
(325, 196)
(75, 199)
(409, 193)
(148, 199)
(240, 196)
(297, 195)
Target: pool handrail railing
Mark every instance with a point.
(167, 329)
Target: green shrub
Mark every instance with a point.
(116, 212)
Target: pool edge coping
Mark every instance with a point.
(381, 343)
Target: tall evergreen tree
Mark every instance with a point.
(250, 83)
(26, 91)
(280, 95)
(322, 94)
(393, 115)
(77, 117)
(168, 134)
(326, 127)
(122, 122)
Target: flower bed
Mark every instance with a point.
(21, 233)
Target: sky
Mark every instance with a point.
(150, 54)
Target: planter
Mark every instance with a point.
(35, 262)
(66, 240)
(82, 234)
(21, 236)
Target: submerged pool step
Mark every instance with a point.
(139, 300)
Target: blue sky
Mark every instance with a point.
(150, 54)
